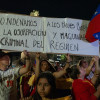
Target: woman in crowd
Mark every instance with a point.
(83, 89)
(44, 65)
(86, 68)
(46, 88)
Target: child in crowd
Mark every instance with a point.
(46, 88)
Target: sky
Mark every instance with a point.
(78, 9)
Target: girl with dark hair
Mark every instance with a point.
(44, 65)
(45, 86)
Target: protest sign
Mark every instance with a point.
(19, 32)
(48, 35)
(67, 35)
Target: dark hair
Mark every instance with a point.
(51, 80)
(50, 66)
(81, 62)
(73, 72)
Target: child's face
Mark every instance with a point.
(43, 87)
(44, 66)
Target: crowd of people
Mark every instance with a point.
(39, 80)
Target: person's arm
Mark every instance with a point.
(88, 69)
(63, 72)
(59, 74)
(37, 69)
(97, 71)
(23, 70)
(21, 92)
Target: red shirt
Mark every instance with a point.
(25, 86)
(83, 90)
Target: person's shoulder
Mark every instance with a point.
(77, 82)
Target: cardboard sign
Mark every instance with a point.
(49, 35)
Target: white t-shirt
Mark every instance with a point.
(8, 83)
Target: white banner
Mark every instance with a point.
(49, 35)
(21, 33)
(67, 35)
